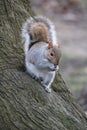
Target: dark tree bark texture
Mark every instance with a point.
(24, 105)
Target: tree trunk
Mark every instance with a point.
(24, 105)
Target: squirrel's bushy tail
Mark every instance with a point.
(26, 29)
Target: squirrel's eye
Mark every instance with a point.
(51, 54)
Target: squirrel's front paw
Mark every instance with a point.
(54, 67)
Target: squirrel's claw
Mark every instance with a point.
(34, 77)
(48, 90)
(46, 87)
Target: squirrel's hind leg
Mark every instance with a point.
(48, 81)
(32, 71)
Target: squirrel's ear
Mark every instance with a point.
(50, 45)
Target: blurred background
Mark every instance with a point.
(70, 20)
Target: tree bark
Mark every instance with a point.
(24, 105)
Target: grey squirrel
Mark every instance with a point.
(42, 52)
